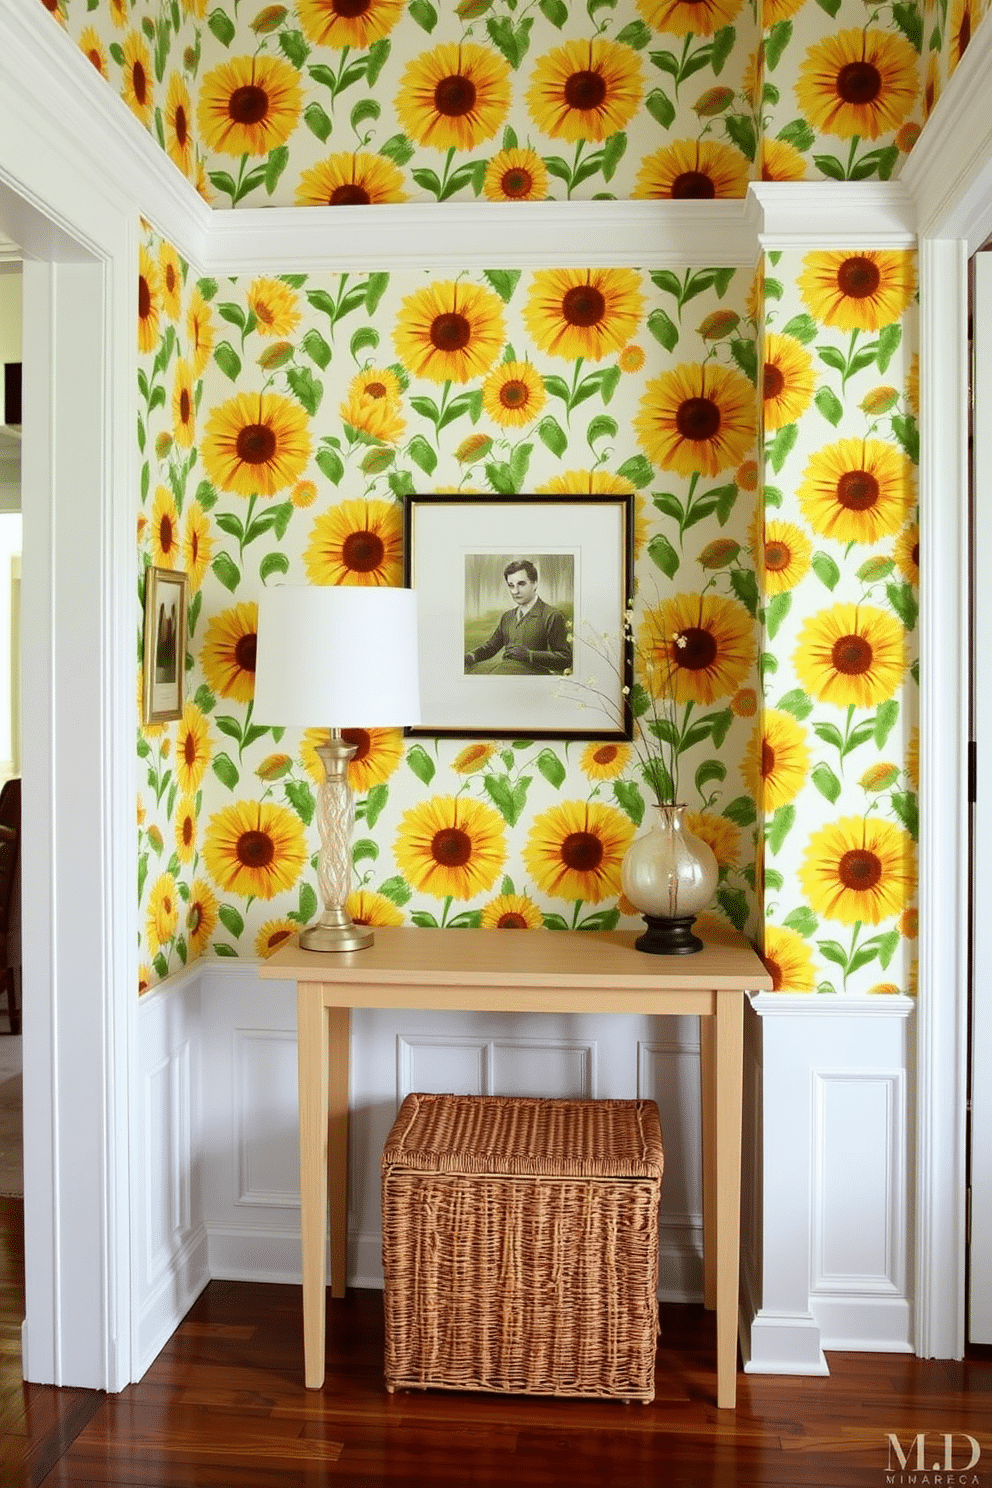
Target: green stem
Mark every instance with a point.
(444, 174)
(687, 510)
(575, 914)
(444, 912)
(856, 140)
(575, 388)
(850, 954)
(246, 526)
(244, 731)
(850, 359)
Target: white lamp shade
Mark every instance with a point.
(337, 656)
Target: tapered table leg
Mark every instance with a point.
(707, 1091)
(339, 1043)
(312, 1048)
(729, 1090)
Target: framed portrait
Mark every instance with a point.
(166, 598)
(521, 603)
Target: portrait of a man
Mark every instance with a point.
(532, 634)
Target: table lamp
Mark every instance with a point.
(336, 657)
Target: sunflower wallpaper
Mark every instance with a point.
(331, 103)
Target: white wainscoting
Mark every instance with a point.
(827, 1180)
(825, 1213)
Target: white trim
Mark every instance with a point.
(819, 214)
(794, 1005)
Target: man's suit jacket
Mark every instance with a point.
(542, 632)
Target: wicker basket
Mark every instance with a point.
(520, 1245)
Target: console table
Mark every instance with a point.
(518, 972)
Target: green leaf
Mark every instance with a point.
(734, 904)
(778, 607)
(779, 827)
(317, 121)
(781, 445)
(741, 810)
(908, 434)
(503, 281)
(663, 555)
(366, 108)
(743, 133)
(830, 734)
(906, 807)
(776, 42)
(711, 769)
(889, 339)
(308, 390)
(274, 166)
(638, 470)
(660, 107)
(745, 586)
(330, 463)
(221, 25)
(829, 405)
(825, 569)
(316, 348)
(364, 848)
(601, 427)
(293, 45)
(833, 951)
(904, 602)
(226, 770)
(863, 956)
(885, 717)
(555, 11)
(228, 360)
(826, 782)
(511, 40)
(423, 920)
(551, 434)
(375, 803)
(231, 920)
(301, 798)
(399, 149)
(375, 287)
(797, 703)
(423, 13)
(551, 768)
(628, 797)
(802, 328)
(227, 571)
(663, 329)
(421, 764)
(508, 798)
(802, 920)
(422, 454)
(798, 134)
(307, 903)
(397, 889)
(829, 165)
(910, 22)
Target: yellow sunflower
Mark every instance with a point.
(586, 483)
(378, 384)
(699, 646)
(584, 312)
(690, 17)
(965, 16)
(163, 913)
(788, 960)
(228, 652)
(183, 405)
(858, 82)
(275, 307)
(120, 13)
(859, 870)
(145, 978)
(357, 542)
(787, 552)
(186, 829)
(137, 78)
(92, 47)
(451, 847)
(744, 703)
(857, 490)
(909, 923)
(858, 291)
(913, 383)
(255, 848)
(585, 90)
(256, 443)
(273, 935)
(513, 394)
(781, 161)
(249, 105)
(455, 96)
(851, 654)
(511, 912)
(450, 331)
(201, 917)
(698, 418)
(605, 761)
(170, 270)
(632, 358)
(149, 300)
(351, 180)
(200, 332)
(378, 752)
(197, 545)
(776, 761)
(693, 170)
(719, 833)
(516, 175)
(178, 119)
(907, 553)
(193, 745)
(379, 418)
(473, 757)
(164, 529)
(788, 380)
(303, 494)
(574, 850)
(368, 908)
(348, 23)
(932, 85)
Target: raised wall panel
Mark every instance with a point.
(168, 1160)
(440, 1063)
(266, 1125)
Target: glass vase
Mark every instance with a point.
(669, 875)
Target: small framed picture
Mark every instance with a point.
(166, 597)
(521, 605)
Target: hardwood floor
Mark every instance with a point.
(224, 1404)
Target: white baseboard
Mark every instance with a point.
(783, 1343)
(868, 1325)
(174, 1293)
(244, 1254)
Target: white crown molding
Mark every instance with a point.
(798, 1005)
(949, 172)
(819, 214)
